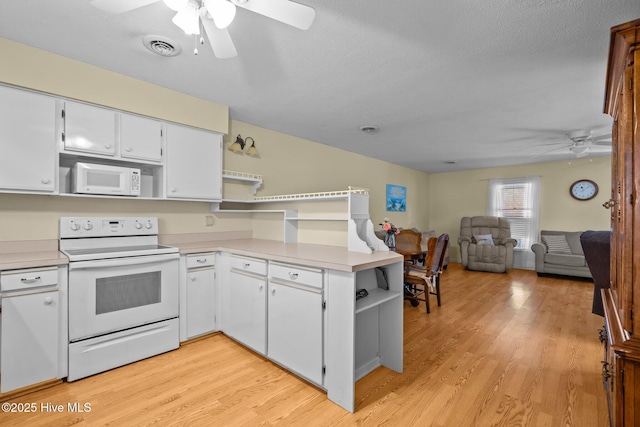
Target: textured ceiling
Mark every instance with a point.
(482, 83)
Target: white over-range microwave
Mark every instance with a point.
(90, 178)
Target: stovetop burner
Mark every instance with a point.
(91, 238)
(117, 252)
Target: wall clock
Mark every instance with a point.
(583, 189)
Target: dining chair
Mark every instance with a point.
(422, 281)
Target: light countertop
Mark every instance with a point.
(320, 256)
(19, 255)
(29, 254)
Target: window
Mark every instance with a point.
(518, 200)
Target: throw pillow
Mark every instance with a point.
(557, 244)
(484, 239)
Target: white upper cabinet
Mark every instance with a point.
(193, 163)
(140, 138)
(28, 141)
(89, 129)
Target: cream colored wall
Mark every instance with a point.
(39, 70)
(294, 165)
(465, 193)
(289, 164)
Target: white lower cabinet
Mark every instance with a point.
(245, 301)
(307, 319)
(29, 339)
(200, 295)
(295, 328)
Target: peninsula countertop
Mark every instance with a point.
(312, 255)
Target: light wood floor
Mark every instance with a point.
(503, 350)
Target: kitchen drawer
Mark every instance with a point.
(201, 260)
(249, 265)
(296, 274)
(27, 279)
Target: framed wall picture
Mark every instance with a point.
(396, 198)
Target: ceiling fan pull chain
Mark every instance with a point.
(195, 45)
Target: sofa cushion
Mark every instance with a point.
(566, 260)
(573, 238)
(557, 244)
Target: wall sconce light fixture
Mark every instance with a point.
(239, 144)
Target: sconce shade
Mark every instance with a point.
(252, 151)
(238, 145)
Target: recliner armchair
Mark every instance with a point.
(486, 244)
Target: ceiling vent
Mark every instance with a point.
(161, 45)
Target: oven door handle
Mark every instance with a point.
(120, 262)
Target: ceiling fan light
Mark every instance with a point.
(580, 150)
(176, 5)
(222, 11)
(188, 20)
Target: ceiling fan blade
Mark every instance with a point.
(602, 140)
(220, 40)
(120, 6)
(289, 12)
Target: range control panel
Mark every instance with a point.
(72, 227)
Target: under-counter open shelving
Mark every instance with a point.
(375, 298)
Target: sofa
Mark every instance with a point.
(560, 253)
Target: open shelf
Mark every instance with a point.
(325, 195)
(255, 180)
(375, 298)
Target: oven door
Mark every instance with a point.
(115, 294)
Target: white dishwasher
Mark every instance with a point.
(295, 319)
(30, 328)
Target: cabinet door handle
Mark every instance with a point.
(128, 149)
(30, 279)
(602, 335)
(173, 190)
(293, 276)
(48, 301)
(273, 291)
(246, 265)
(107, 146)
(193, 278)
(606, 373)
(45, 180)
(201, 260)
(260, 287)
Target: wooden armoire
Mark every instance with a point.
(621, 336)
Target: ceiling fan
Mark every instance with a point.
(583, 140)
(214, 16)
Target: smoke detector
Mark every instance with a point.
(369, 129)
(161, 45)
